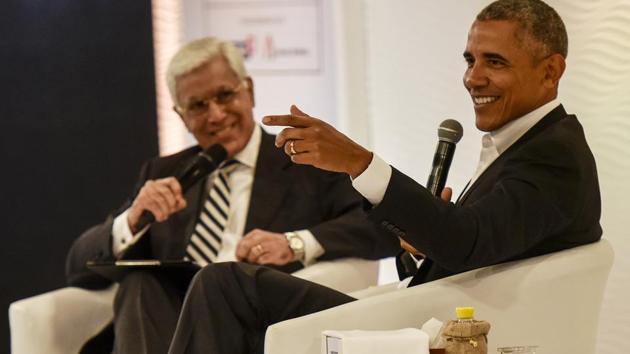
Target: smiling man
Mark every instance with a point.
(259, 208)
(535, 190)
(509, 74)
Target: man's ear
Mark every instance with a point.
(554, 66)
(250, 89)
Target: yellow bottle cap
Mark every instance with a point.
(465, 312)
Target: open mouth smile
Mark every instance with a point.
(482, 100)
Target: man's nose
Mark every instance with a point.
(475, 76)
(216, 112)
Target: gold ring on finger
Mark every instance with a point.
(291, 148)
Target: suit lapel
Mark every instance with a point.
(490, 173)
(271, 184)
(463, 194)
(187, 218)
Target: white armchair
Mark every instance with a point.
(552, 301)
(345, 275)
(61, 321)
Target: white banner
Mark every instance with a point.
(275, 36)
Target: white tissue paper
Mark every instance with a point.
(401, 341)
(433, 328)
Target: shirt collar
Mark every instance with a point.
(508, 134)
(249, 154)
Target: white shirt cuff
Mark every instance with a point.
(122, 237)
(312, 247)
(372, 183)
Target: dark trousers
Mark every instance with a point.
(229, 306)
(146, 309)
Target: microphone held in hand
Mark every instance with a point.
(201, 165)
(449, 133)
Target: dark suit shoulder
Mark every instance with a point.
(561, 145)
(557, 129)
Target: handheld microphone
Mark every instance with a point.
(201, 165)
(449, 133)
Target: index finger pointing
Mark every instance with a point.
(288, 120)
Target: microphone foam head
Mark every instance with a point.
(451, 131)
(216, 153)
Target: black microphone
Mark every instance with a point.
(449, 133)
(200, 166)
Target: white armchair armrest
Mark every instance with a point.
(60, 321)
(345, 275)
(552, 301)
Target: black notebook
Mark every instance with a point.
(116, 270)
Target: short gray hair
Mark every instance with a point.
(538, 20)
(199, 52)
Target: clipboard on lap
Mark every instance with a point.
(117, 270)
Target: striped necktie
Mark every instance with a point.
(205, 242)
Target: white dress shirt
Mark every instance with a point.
(241, 181)
(495, 143)
(372, 183)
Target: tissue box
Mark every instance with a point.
(402, 341)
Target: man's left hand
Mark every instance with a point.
(264, 247)
(311, 141)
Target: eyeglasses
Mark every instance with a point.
(199, 107)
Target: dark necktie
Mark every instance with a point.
(205, 242)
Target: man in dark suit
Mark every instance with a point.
(535, 190)
(290, 215)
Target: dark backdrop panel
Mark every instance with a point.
(77, 117)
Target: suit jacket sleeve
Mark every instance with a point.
(545, 198)
(96, 244)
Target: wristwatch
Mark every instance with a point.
(296, 244)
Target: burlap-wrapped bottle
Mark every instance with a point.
(465, 335)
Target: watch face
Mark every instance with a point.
(296, 243)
